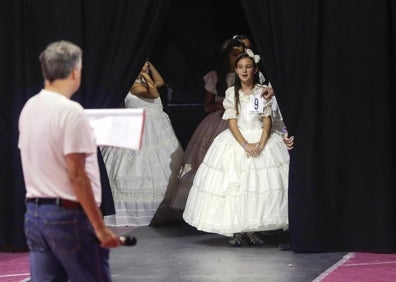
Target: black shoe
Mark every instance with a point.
(253, 240)
(236, 240)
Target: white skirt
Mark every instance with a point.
(232, 193)
(141, 180)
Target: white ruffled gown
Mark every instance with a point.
(232, 193)
(141, 180)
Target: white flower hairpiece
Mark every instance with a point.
(256, 57)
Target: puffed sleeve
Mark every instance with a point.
(210, 80)
(229, 104)
(267, 108)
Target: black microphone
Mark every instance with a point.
(127, 241)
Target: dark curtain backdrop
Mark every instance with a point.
(116, 38)
(331, 63)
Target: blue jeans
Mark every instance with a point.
(63, 245)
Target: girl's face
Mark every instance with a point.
(233, 55)
(245, 69)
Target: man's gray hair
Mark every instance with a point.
(59, 59)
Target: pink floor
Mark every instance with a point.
(362, 267)
(14, 267)
(354, 267)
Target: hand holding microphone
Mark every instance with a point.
(108, 239)
(127, 241)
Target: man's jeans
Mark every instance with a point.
(63, 245)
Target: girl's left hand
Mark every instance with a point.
(253, 150)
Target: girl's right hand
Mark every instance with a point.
(252, 150)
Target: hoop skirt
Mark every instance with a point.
(211, 126)
(232, 193)
(142, 180)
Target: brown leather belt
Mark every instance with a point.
(67, 204)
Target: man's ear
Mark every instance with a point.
(73, 73)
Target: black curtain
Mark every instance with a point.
(332, 65)
(116, 38)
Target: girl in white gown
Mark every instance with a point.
(216, 82)
(142, 180)
(242, 184)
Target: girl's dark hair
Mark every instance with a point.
(223, 67)
(237, 85)
(241, 37)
